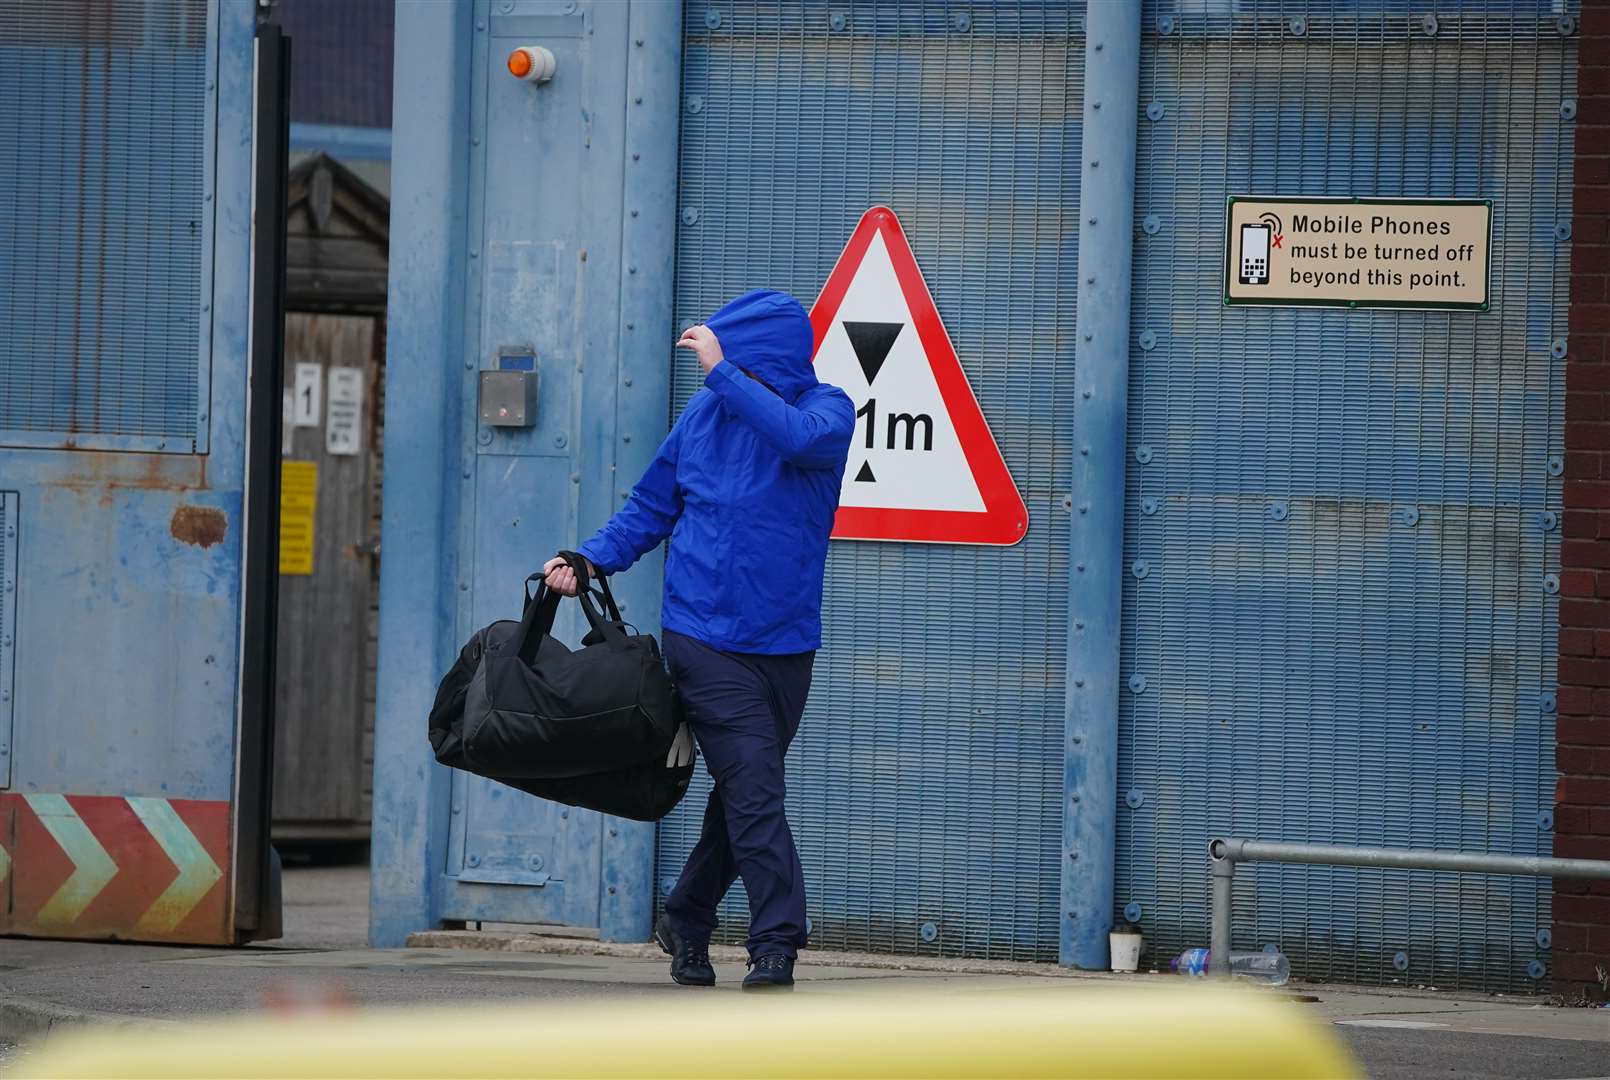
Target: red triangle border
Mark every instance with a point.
(1004, 519)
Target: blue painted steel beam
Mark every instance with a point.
(1106, 251)
(643, 382)
(343, 142)
(417, 597)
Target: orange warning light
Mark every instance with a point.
(519, 63)
(533, 63)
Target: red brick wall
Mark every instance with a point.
(1582, 799)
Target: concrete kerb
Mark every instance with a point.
(493, 941)
(23, 1020)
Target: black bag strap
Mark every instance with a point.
(609, 631)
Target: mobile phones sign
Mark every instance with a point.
(1334, 252)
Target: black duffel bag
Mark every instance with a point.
(645, 792)
(588, 728)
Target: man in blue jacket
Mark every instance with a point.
(745, 486)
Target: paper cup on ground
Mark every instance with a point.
(1125, 950)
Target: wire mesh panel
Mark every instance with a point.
(103, 114)
(1342, 524)
(926, 782)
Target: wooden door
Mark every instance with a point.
(326, 575)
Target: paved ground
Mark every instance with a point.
(323, 958)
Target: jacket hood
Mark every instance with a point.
(768, 335)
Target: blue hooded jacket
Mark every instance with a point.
(746, 486)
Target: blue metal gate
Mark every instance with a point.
(1341, 527)
(926, 786)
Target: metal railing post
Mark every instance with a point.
(1219, 939)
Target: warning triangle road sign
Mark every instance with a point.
(923, 465)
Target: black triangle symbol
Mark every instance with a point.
(872, 342)
(865, 475)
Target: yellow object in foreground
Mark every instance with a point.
(1073, 1031)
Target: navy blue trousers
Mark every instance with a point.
(744, 709)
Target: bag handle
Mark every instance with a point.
(609, 631)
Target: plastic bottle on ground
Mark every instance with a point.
(1267, 968)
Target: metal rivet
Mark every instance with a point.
(712, 19)
(929, 931)
(1148, 506)
(1084, 508)
(1567, 110)
(1137, 683)
(1155, 111)
(1151, 225)
(626, 438)
(1143, 454)
(535, 862)
(1430, 25)
(469, 365)
(475, 140)
(1562, 231)
(575, 478)
(473, 859)
(1141, 569)
(1557, 349)
(631, 326)
(1165, 25)
(1087, 395)
(1079, 624)
(1547, 703)
(1537, 969)
(463, 586)
(628, 382)
(1133, 911)
(1092, 221)
(612, 890)
(1544, 938)
(1551, 583)
(1090, 337)
(1078, 682)
(1095, 164)
(636, 157)
(1565, 24)
(639, 43)
(1084, 451)
(631, 269)
(485, 437)
(560, 440)
(1148, 340)
(1556, 464)
(614, 832)
(637, 101)
(1400, 960)
(690, 215)
(695, 104)
(1299, 26)
(837, 20)
(1134, 799)
(1278, 511)
(1545, 820)
(962, 21)
(466, 474)
(475, 253)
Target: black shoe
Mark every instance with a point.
(774, 971)
(690, 963)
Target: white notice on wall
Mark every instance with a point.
(341, 435)
(308, 380)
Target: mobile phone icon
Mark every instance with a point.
(1255, 254)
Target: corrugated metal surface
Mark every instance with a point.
(925, 786)
(1346, 632)
(103, 109)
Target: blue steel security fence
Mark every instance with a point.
(103, 121)
(1341, 526)
(926, 783)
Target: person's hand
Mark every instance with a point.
(702, 340)
(561, 578)
(681, 749)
